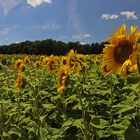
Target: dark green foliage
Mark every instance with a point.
(50, 46)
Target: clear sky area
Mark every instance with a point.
(86, 21)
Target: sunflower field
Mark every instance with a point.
(73, 97)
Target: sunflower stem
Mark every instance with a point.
(2, 118)
(86, 125)
(138, 94)
(138, 65)
(112, 98)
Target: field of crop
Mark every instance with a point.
(40, 98)
(72, 97)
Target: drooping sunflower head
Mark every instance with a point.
(62, 79)
(121, 47)
(19, 81)
(71, 60)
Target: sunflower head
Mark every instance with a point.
(62, 79)
(104, 70)
(42, 57)
(64, 60)
(121, 48)
(37, 64)
(26, 60)
(18, 63)
(19, 83)
(45, 60)
(51, 64)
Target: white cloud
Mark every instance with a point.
(35, 3)
(108, 16)
(81, 36)
(82, 43)
(50, 26)
(129, 14)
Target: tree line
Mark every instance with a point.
(50, 46)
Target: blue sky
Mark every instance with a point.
(85, 21)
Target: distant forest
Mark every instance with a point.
(49, 47)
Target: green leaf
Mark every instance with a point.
(99, 123)
(49, 106)
(42, 118)
(67, 124)
(78, 123)
(71, 98)
(131, 134)
(132, 79)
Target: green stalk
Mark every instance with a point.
(38, 118)
(19, 110)
(2, 118)
(35, 97)
(18, 103)
(86, 133)
(37, 110)
(112, 98)
(138, 94)
(138, 65)
(86, 126)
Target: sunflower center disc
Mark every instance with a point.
(122, 52)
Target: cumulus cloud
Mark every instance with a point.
(108, 16)
(129, 14)
(35, 3)
(81, 36)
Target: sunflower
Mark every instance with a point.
(42, 57)
(97, 60)
(62, 79)
(71, 59)
(121, 47)
(64, 60)
(51, 64)
(18, 63)
(26, 60)
(19, 81)
(74, 61)
(82, 62)
(37, 64)
(104, 70)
